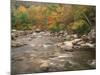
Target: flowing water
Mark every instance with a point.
(40, 48)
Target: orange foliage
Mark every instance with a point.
(51, 21)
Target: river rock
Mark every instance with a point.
(37, 30)
(44, 66)
(47, 33)
(61, 33)
(92, 35)
(46, 45)
(76, 41)
(56, 67)
(74, 36)
(13, 36)
(85, 38)
(17, 44)
(13, 30)
(68, 37)
(71, 37)
(92, 63)
(67, 45)
(88, 45)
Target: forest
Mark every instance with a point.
(54, 17)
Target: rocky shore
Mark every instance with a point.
(43, 51)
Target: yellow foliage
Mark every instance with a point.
(22, 9)
(39, 16)
(54, 14)
(60, 9)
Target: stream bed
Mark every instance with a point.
(38, 52)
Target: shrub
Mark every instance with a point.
(57, 27)
(80, 27)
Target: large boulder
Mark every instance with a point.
(92, 35)
(76, 41)
(67, 45)
(88, 45)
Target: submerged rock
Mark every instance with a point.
(44, 66)
(17, 44)
(92, 63)
(46, 45)
(89, 45)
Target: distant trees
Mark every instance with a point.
(20, 19)
(54, 17)
(82, 22)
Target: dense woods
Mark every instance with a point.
(54, 17)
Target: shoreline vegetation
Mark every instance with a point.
(54, 17)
